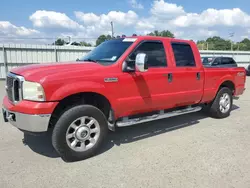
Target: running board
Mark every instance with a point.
(161, 115)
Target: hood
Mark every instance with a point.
(40, 72)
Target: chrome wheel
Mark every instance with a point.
(83, 133)
(225, 103)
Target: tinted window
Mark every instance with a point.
(184, 56)
(207, 60)
(217, 61)
(226, 61)
(155, 53)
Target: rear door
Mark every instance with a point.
(188, 75)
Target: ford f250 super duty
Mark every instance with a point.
(119, 83)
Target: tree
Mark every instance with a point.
(244, 45)
(218, 43)
(59, 42)
(83, 43)
(164, 33)
(102, 38)
(202, 45)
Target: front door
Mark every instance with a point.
(146, 91)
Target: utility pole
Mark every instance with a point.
(112, 29)
(69, 39)
(231, 35)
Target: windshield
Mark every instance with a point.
(108, 52)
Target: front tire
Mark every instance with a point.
(222, 105)
(79, 133)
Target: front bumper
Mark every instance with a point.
(27, 122)
(27, 115)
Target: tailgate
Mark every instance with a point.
(239, 80)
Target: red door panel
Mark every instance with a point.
(144, 92)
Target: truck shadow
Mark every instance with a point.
(42, 144)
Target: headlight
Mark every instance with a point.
(33, 91)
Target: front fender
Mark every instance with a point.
(78, 87)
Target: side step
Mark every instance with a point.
(161, 115)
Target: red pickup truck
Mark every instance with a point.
(120, 83)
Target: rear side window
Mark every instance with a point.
(184, 56)
(227, 61)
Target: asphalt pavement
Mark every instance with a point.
(187, 151)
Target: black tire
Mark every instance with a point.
(59, 133)
(214, 107)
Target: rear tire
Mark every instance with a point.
(79, 133)
(222, 105)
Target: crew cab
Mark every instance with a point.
(121, 82)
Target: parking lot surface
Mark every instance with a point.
(185, 151)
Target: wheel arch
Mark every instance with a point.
(91, 98)
(229, 84)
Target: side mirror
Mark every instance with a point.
(141, 62)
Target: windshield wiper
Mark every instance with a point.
(91, 60)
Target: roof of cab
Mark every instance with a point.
(147, 37)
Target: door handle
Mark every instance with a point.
(198, 76)
(170, 77)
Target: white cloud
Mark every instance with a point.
(118, 17)
(160, 8)
(206, 33)
(144, 24)
(100, 24)
(10, 30)
(163, 15)
(244, 37)
(51, 19)
(179, 34)
(135, 4)
(213, 17)
(87, 18)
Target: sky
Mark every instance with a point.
(84, 20)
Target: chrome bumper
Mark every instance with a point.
(27, 122)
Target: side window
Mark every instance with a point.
(155, 53)
(225, 61)
(184, 56)
(228, 61)
(217, 61)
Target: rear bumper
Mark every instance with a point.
(28, 116)
(27, 122)
(239, 91)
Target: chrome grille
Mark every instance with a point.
(13, 87)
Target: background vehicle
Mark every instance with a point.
(120, 83)
(219, 62)
(248, 70)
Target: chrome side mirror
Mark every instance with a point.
(141, 62)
